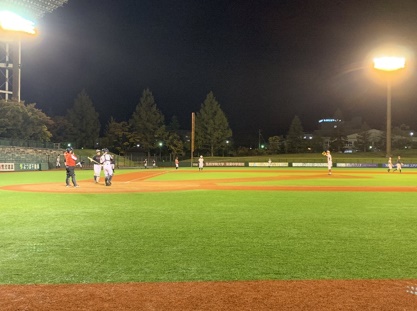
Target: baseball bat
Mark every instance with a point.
(93, 160)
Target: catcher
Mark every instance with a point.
(106, 160)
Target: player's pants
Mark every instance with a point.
(70, 174)
(108, 173)
(97, 172)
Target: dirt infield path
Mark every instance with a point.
(211, 296)
(141, 182)
(240, 295)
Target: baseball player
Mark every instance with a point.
(200, 163)
(58, 161)
(329, 160)
(70, 163)
(177, 163)
(106, 160)
(97, 166)
(389, 164)
(399, 165)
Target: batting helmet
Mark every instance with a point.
(105, 150)
(69, 149)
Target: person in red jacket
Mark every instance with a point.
(70, 163)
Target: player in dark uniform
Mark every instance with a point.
(97, 166)
(399, 165)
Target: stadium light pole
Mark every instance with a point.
(389, 64)
(12, 29)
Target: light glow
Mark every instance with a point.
(13, 22)
(389, 63)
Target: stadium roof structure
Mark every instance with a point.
(31, 8)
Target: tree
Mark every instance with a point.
(211, 126)
(174, 142)
(85, 121)
(21, 121)
(295, 141)
(174, 125)
(36, 124)
(148, 123)
(274, 144)
(118, 136)
(60, 129)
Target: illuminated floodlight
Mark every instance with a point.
(12, 22)
(389, 63)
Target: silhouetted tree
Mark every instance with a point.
(295, 142)
(274, 144)
(118, 136)
(21, 121)
(211, 126)
(85, 122)
(148, 123)
(60, 129)
(174, 142)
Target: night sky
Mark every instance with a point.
(265, 61)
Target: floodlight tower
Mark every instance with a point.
(389, 64)
(14, 28)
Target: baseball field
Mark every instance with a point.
(220, 239)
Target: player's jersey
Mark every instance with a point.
(106, 159)
(97, 158)
(70, 159)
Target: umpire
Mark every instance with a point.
(70, 162)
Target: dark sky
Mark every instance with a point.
(265, 61)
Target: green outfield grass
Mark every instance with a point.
(210, 235)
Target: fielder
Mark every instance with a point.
(200, 163)
(106, 159)
(399, 165)
(177, 163)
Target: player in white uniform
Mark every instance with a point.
(389, 164)
(106, 160)
(200, 163)
(329, 161)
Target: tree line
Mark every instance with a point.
(148, 130)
